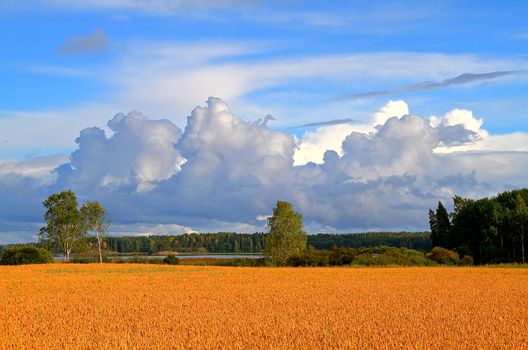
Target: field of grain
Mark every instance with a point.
(184, 307)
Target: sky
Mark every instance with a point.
(184, 116)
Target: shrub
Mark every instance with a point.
(366, 259)
(444, 256)
(467, 260)
(342, 256)
(171, 260)
(309, 257)
(25, 255)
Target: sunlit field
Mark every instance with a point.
(190, 307)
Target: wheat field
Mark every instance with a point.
(185, 307)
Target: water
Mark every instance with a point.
(203, 256)
(220, 256)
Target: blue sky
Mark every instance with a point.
(69, 65)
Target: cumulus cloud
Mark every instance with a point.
(222, 172)
(313, 145)
(96, 41)
(139, 152)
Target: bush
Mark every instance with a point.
(444, 256)
(387, 256)
(310, 257)
(467, 260)
(171, 260)
(26, 255)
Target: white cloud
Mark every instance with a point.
(396, 108)
(139, 152)
(465, 118)
(39, 168)
(313, 145)
(165, 78)
(235, 171)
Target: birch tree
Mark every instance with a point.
(287, 236)
(96, 220)
(64, 230)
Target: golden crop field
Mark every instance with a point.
(184, 307)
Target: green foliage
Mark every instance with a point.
(459, 203)
(411, 240)
(222, 242)
(95, 219)
(65, 229)
(287, 237)
(440, 226)
(520, 216)
(171, 260)
(444, 256)
(310, 257)
(375, 256)
(467, 260)
(230, 242)
(25, 255)
(491, 230)
(388, 256)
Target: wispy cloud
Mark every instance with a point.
(326, 123)
(97, 41)
(461, 79)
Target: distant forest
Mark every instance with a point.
(229, 242)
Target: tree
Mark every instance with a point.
(440, 226)
(287, 236)
(521, 216)
(96, 220)
(459, 203)
(64, 229)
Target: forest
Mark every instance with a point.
(230, 242)
(491, 230)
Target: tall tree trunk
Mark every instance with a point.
(66, 253)
(99, 247)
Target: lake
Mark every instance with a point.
(203, 256)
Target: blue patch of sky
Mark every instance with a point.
(289, 30)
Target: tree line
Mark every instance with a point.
(491, 230)
(221, 242)
(231, 242)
